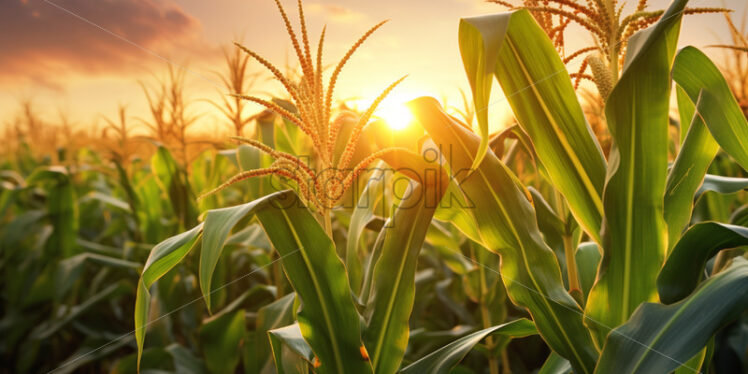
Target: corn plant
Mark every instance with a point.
(328, 334)
(640, 313)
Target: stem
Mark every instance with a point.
(493, 362)
(328, 222)
(571, 264)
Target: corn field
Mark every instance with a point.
(602, 231)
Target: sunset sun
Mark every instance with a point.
(396, 114)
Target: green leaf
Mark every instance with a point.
(274, 315)
(328, 319)
(62, 209)
(163, 257)
(221, 339)
(555, 364)
(290, 337)
(660, 338)
(172, 179)
(184, 361)
(393, 288)
(363, 213)
(723, 185)
(699, 83)
(445, 358)
(635, 236)
(702, 81)
(507, 225)
(217, 226)
(587, 257)
(518, 52)
(687, 173)
(685, 265)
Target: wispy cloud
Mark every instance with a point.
(43, 44)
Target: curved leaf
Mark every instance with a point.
(535, 82)
(290, 337)
(716, 113)
(217, 226)
(328, 319)
(221, 340)
(362, 214)
(445, 358)
(635, 236)
(507, 225)
(685, 265)
(724, 185)
(722, 114)
(660, 338)
(393, 287)
(163, 257)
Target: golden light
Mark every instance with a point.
(397, 115)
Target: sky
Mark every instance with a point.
(84, 58)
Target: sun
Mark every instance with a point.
(396, 115)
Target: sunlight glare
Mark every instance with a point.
(397, 115)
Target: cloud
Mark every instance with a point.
(335, 13)
(44, 42)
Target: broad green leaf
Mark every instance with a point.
(684, 178)
(686, 110)
(704, 94)
(635, 235)
(555, 364)
(685, 265)
(363, 213)
(393, 288)
(723, 185)
(660, 338)
(221, 339)
(290, 337)
(518, 52)
(274, 315)
(507, 225)
(445, 358)
(217, 226)
(163, 257)
(328, 319)
(702, 81)
(587, 257)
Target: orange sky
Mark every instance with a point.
(85, 57)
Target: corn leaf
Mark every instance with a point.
(221, 340)
(723, 185)
(684, 178)
(685, 265)
(163, 257)
(217, 226)
(507, 225)
(660, 338)
(536, 84)
(287, 341)
(328, 319)
(703, 93)
(363, 213)
(445, 358)
(555, 364)
(722, 114)
(635, 235)
(393, 288)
